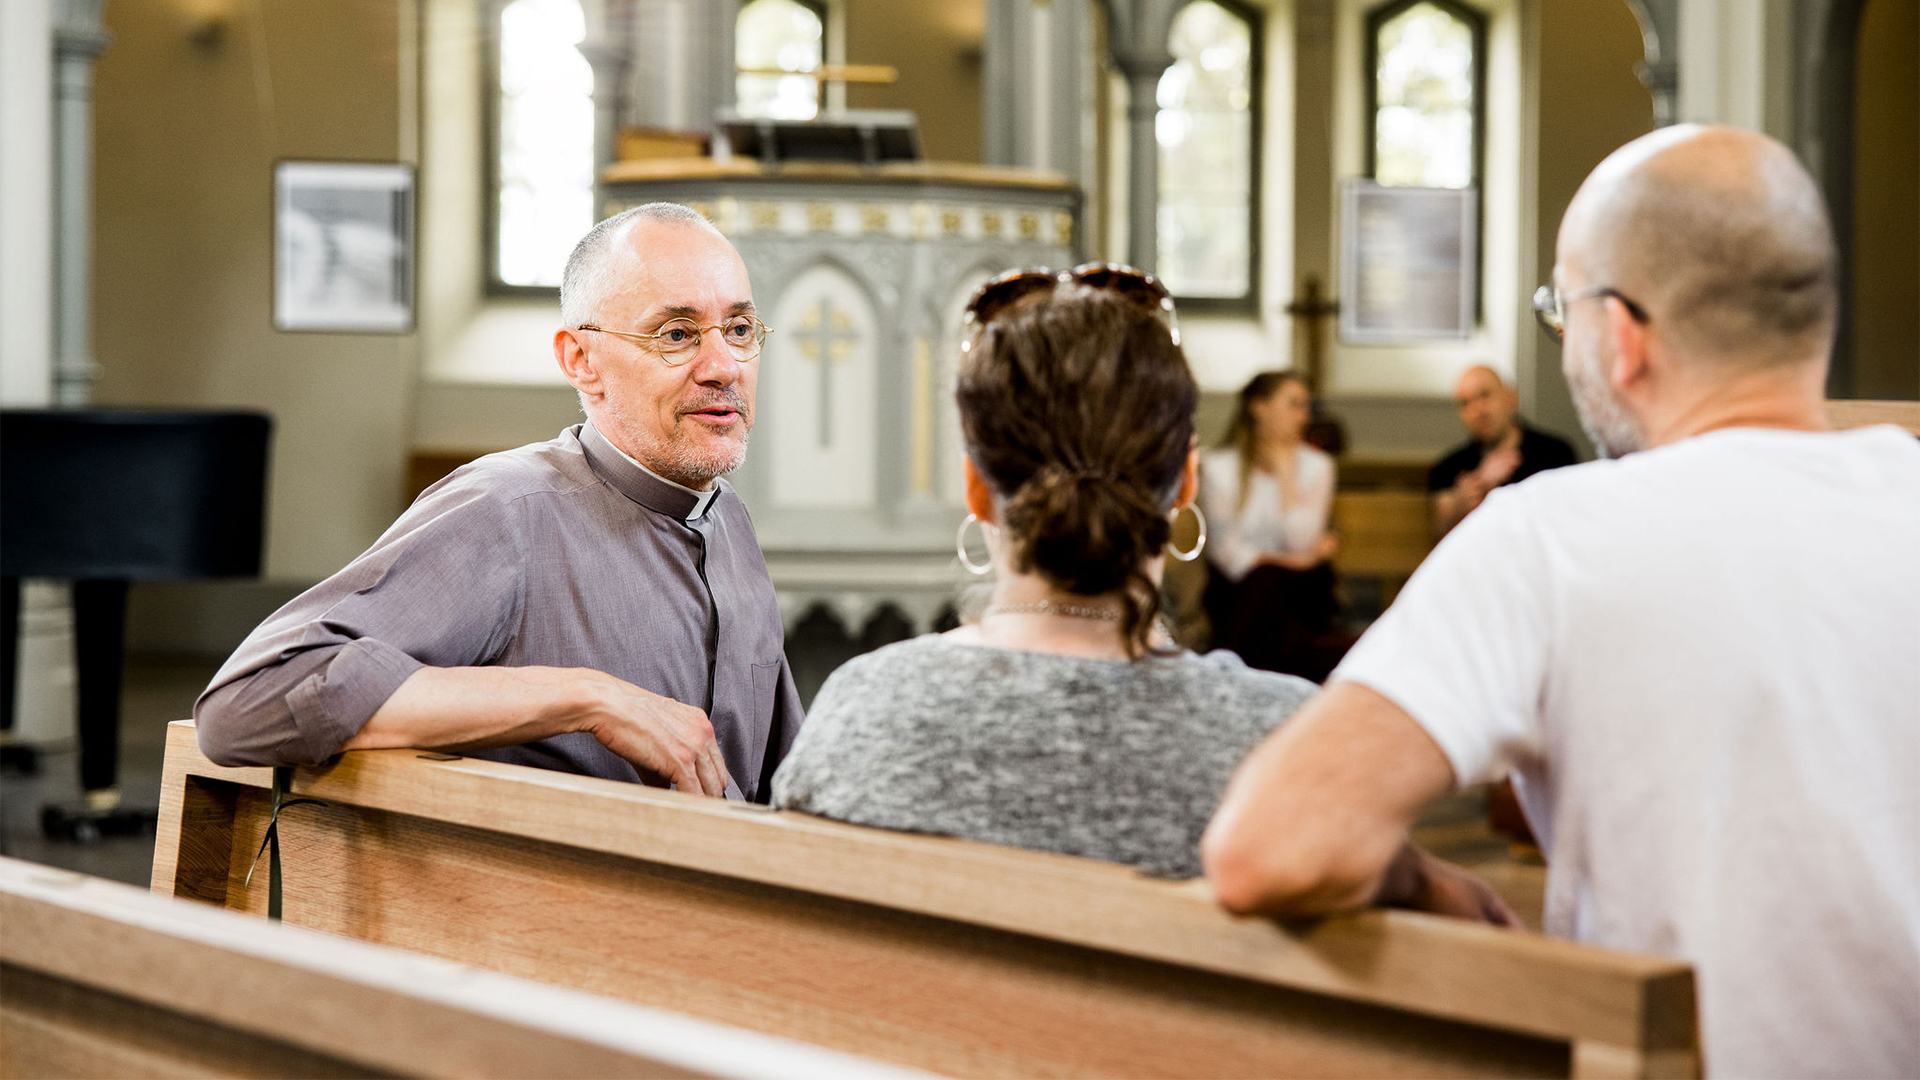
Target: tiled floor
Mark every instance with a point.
(159, 691)
(155, 692)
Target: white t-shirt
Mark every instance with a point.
(1237, 535)
(1704, 663)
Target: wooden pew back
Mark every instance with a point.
(103, 979)
(961, 958)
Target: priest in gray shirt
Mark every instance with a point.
(598, 603)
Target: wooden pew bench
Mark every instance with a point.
(103, 979)
(961, 958)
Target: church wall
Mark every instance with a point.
(1590, 103)
(26, 193)
(937, 49)
(187, 136)
(1886, 203)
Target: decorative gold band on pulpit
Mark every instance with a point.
(919, 220)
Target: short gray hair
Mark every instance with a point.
(585, 283)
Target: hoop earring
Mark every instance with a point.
(960, 547)
(1198, 545)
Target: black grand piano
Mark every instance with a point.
(102, 498)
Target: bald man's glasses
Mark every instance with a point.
(677, 341)
(1551, 308)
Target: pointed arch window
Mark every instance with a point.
(1426, 94)
(1208, 134)
(785, 36)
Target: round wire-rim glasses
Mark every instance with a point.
(678, 341)
(1000, 293)
(1551, 308)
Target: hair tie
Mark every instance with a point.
(1105, 473)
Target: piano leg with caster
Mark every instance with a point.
(99, 633)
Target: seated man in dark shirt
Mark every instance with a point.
(1502, 449)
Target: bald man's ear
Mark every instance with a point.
(571, 354)
(1627, 368)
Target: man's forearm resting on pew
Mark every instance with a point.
(256, 719)
(474, 708)
(1316, 819)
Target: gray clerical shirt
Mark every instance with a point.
(565, 553)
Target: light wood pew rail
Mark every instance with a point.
(1852, 414)
(103, 979)
(952, 956)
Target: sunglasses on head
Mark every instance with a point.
(1000, 293)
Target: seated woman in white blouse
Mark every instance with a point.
(1267, 495)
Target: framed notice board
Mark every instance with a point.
(1409, 256)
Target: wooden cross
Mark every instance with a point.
(874, 74)
(1309, 308)
(826, 337)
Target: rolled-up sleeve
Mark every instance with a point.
(442, 588)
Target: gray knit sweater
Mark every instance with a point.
(1108, 759)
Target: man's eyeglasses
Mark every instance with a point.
(678, 341)
(1551, 308)
(1138, 286)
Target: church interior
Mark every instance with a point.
(350, 218)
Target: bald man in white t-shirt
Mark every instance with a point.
(1702, 659)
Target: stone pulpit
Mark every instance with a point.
(862, 271)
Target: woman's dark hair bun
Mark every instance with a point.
(1077, 409)
(1082, 530)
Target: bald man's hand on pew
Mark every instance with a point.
(1315, 820)
(478, 708)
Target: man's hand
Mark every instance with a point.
(1496, 467)
(1317, 816)
(478, 708)
(657, 733)
(1325, 548)
(1424, 882)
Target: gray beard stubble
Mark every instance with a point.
(1612, 429)
(674, 458)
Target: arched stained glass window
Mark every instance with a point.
(545, 136)
(1206, 131)
(1427, 90)
(782, 35)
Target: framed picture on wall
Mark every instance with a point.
(343, 254)
(1408, 262)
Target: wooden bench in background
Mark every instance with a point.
(957, 957)
(103, 979)
(1852, 414)
(1383, 533)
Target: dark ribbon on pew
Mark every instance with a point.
(282, 782)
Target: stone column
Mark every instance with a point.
(1137, 34)
(677, 62)
(1143, 155)
(1660, 71)
(605, 50)
(78, 40)
(1037, 67)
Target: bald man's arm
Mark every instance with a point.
(1316, 820)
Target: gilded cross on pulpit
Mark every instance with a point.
(827, 338)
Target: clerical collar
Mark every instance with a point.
(641, 484)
